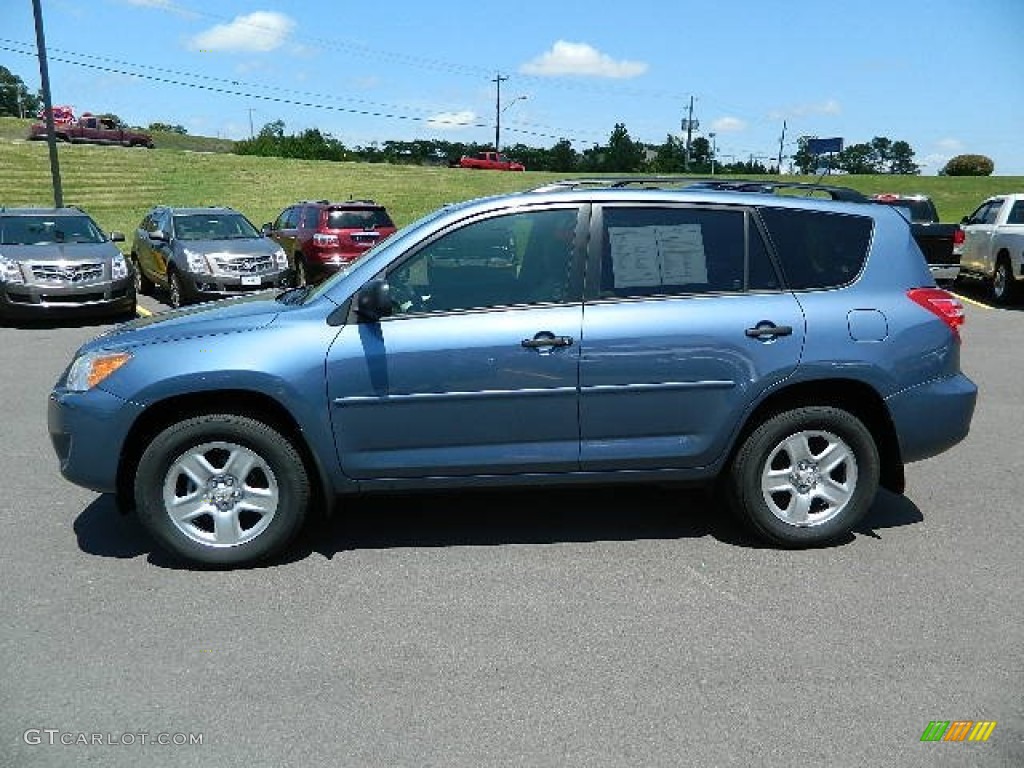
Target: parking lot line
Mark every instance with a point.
(971, 301)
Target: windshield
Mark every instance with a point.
(213, 226)
(44, 230)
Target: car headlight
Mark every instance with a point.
(90, 369)
(10, 271)
(197, 264)
(281, 258)
(118, 267)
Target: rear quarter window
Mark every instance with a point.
(817, 249)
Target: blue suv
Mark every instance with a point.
(792, 351)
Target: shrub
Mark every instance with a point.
(969, 165)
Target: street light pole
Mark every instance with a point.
(51, 130)
(498, 80)
(714, 149)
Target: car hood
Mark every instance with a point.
(60, 252)
(237, 246)
(245, 313)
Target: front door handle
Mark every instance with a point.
(547, 339)
(767, 330)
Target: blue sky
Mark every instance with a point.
(946, 76)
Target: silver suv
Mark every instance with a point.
(58, 260)
(204, 253)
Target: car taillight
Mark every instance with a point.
(942, 304)
(958, 241)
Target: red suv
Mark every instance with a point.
(320, 236)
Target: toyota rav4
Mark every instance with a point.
(793, 353)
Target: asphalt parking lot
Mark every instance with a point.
(638, 627)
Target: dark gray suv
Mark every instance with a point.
(58, 260)
(205, 253)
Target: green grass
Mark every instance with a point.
(117, 185)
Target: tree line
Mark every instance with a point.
(621, 154)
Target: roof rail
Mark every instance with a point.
(765, 186)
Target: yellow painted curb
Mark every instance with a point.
(142, 311)
(971, 301)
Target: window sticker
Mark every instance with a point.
(658, 255)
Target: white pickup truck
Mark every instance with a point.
(993, 248)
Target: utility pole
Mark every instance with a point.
(250, 123)
(498, 80)
(714, 151)
(688, 125)
(51, 131)
(782, 140)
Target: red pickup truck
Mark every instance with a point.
(492, 161)
(90, 129)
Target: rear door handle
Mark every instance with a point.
(766, 330)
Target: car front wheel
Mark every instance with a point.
(175, 291)
(221, 490)
(806, 476)
(1003, 286)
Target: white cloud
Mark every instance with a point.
(452, 121)
(827, 107)
(567, 58)
(259, 32)
(728, 125)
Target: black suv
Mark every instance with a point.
(320, 236)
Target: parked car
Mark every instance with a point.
(320, 236)
(795, 353)
(59, 261)
(993, 250)
(205, 253)
(942, 244)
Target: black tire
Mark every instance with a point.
(143, 285)
(235, 518)
(175, 290)
(1003, 286)
(811, 504)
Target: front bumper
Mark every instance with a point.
(28, 300)
(220, 286)
(88, 431)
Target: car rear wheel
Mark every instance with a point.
(806, 476)
(1003, 285)
(222, 490)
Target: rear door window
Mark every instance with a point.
(675, 251)
(818, 249)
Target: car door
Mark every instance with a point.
(476, 372)
(979, 231)
(685, 325)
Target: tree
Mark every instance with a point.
(624, 155)
(670, 157)
(179, 129)
(15, 100)
(563, 157)
(901, 160)
(968, 165)
(859, 158)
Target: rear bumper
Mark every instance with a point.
(933, 417)
(945, 273)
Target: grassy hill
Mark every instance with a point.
(117, 185)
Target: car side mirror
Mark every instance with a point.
(117, 237)
(374, 301)
(965, 220)
(159, 234)
(266, 229)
